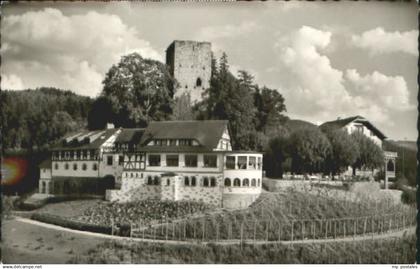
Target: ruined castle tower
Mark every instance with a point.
(190, 64)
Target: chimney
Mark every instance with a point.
(110, 126)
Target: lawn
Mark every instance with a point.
(27, 243)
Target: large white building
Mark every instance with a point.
(169, 160)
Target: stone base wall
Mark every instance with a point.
(208, 195)
(236, 201)
(172, 188)
(139, 193)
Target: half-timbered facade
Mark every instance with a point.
(189, 160)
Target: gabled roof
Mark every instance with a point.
(131, 136)
(45, 164)
(340, 123)
(206, 133)
(85, 140)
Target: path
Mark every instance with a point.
(223, 242)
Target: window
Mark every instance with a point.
(227, 182)
(77, 154)
(84, 167)
(149, 180)
(252, 162)
(191, 160)
(131, 175)
(253, 182)
(120, 160)
(259, 163)
(95, 167)
(259, 182)
(172, 142)
(156, 180)
(158, 142)
(43, 187)
(242, 162)
(205, 181)
(164, 142)
(172, 160)
(168, 182)
(237, 182)
(230, 162)
(154, 160)
(213, 181)
(186, 181)
(66, 166)
(198, 82)
(245, 183)
(210, 160)
(109, 160)
(359, 129)
(185, 142)
(56, 166)
(193, 181)
(75, 166)
(390, 166)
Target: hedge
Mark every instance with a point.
(122, 230)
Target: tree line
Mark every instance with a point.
(34, 119)
(321, 150)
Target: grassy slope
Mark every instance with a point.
(401, 250)
(274, 214)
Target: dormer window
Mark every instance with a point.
(185, 142)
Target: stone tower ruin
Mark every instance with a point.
(190, 64)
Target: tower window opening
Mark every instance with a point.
(198, 82)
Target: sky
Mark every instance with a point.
(328, 59)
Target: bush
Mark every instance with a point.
(144, 211)
(77, 186)
(408, 196)
(77, 225)
(9, 203)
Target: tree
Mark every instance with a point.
(100, 113)
(344, 150)
(270, 107)
(370, 155)
(308, 148)
(227, 98)
(32, 119)
(139, 90)
(276, 153)
(182, 107)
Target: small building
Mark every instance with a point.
(363, 126)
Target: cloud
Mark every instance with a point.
(211, 33)
(11, 82)
(72, 52)
(378, 41)
(386, 91)
(327, 92)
